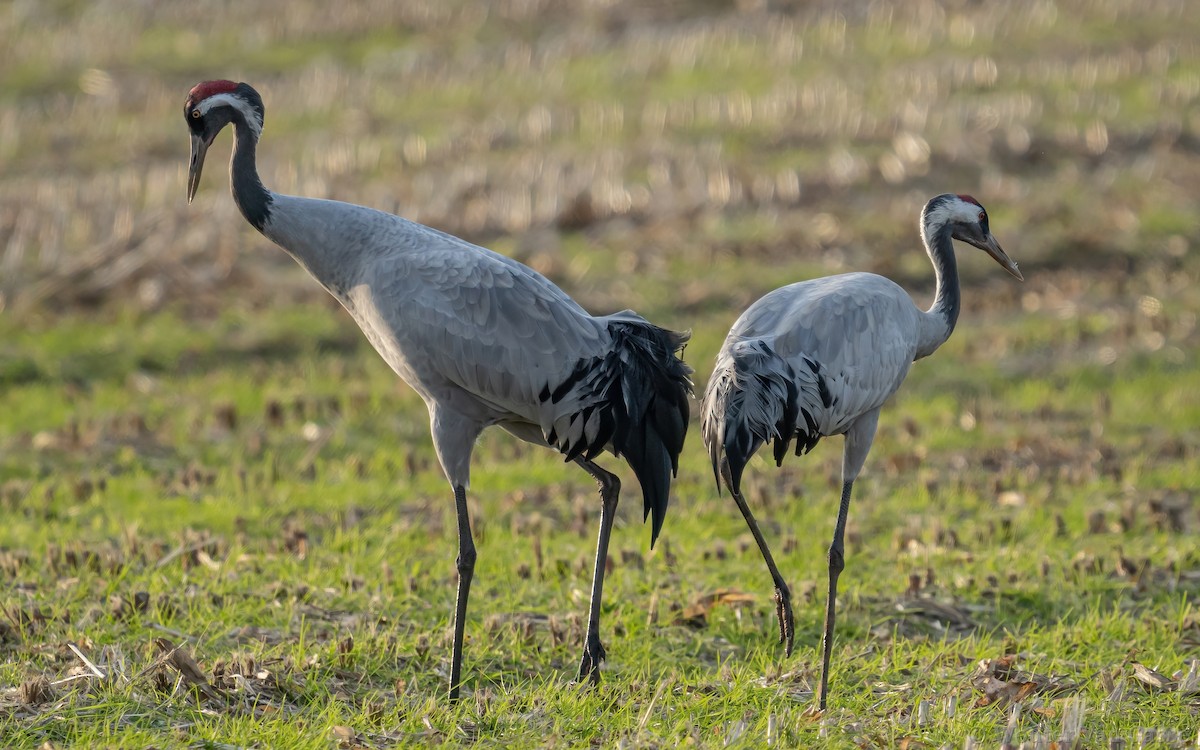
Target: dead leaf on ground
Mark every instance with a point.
(1002, 693)
(346, 737)
(1002, 685)
(1152, 679)
(187, 667)
(695, 615)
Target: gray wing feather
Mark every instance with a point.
(485, 340)
(860, 328)
(453, 314)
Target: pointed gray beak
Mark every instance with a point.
(992, 248)
(199, 149)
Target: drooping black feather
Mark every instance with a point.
(641, 390)
(655, 388)
(565, 387)
(759, 397)
(784, 428)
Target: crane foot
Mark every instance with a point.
(787, 622)
(589, 665)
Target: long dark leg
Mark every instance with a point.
(783, 597)
(610, 489)
(466, 570)
(837, 563)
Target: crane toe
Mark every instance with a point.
(589, 665)
(787, 621)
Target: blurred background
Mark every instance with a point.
(679, 157)
(192, 435)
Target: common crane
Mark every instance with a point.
(819, 358)
(482, 338)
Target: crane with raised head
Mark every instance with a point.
(483, 339)
(819, 358)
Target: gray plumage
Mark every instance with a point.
(482, 338)
(488, 341)
(819, 358)
(806, 361)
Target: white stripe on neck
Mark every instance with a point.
(249, 114)
(951, 210)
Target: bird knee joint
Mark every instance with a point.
(782, 594)
(465, 562)
(610, 490)
(837, 562)
(609, 485)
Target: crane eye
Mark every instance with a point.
(982, 217)
(195, 114)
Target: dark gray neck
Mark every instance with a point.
(251, 197)
(947, 300)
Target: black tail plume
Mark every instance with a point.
(755, 396)
(651, 408)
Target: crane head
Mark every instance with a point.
(967, 220)
(210, 106)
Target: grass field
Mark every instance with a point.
(223, 522)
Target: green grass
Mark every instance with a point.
(352, 544)
(228, 466)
